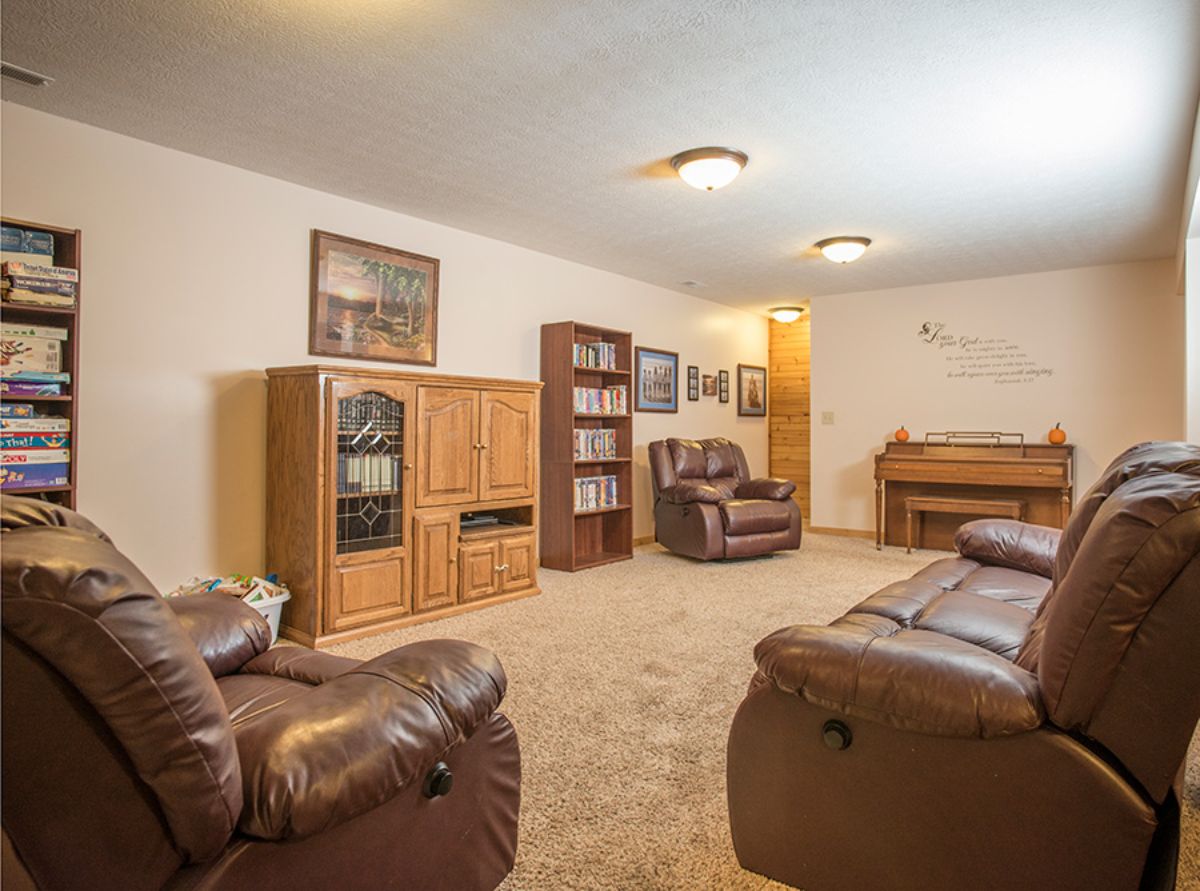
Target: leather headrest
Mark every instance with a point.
(1140, 539)
(687, 456)
(83, 607)
(1139, 460)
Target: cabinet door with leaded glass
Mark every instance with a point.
(370, 486)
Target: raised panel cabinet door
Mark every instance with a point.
(435, 561)
(478, 567)
(367, 590)
(518, 563)
(447, 446)
(509, 425)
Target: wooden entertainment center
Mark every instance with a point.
(394, 498)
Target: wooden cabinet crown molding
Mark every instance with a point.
(426, 378)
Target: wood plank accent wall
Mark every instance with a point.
(788, 397)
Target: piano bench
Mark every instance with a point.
(987, 507)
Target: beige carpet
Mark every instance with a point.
(623, 681)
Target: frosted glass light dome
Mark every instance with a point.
(843, 248)
(709, 168)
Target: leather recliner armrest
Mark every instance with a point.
(690, 492)
(919, 681)
(353, 743)
(1011, 544)
(770, 489)
(226, 631)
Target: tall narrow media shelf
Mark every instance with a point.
(587, 446)
(67, 253)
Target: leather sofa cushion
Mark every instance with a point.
(913, 680)
(745, 517)
(992, 624)
(990, 606)
(726, 485)
(688, 457)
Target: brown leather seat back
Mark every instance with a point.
(1138, 460)
(1119, 655)
(74, 602)
(718, 462)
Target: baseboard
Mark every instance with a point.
(843, 533)
(643, 540)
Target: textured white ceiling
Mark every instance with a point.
(969, 138)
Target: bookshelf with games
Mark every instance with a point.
(39, 344)
(587, 446)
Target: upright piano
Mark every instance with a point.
(970, 465)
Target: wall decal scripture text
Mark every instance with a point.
(972, 358)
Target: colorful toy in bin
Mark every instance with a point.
(266, 595)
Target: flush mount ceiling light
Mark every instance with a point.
(843, 248)
(786, 314)
(709, 168)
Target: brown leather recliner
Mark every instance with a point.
(159, 744)
(706, 505)
(1014, 717)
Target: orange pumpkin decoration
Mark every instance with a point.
(1058, 435)
(901, 435)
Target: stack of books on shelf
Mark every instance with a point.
(29, 274)
(372, 474)
(596, 355)
(31, 360)
(595, 493)
(593, 444)
(597, 401)
(35, 452)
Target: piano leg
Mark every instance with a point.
(1066, 508)
(879, 515)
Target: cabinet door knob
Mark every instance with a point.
(483, 445)
(408, 467)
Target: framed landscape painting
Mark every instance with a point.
(657, 380)
(368, 301)
(752, 391)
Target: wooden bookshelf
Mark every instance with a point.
(571, 539)
(67, 252)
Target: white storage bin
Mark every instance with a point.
(271, 608)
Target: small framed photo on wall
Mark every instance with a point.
(710, 385)
(657, 380)
(752, 391)
(693, 383)
(723, 385)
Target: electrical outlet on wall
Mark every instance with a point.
(826, 417)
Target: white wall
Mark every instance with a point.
(195, 279)
(1111, 335)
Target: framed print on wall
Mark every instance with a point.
(710, 385)
(723, 385)
(368, 301)
(752, 391)
(693, 383)
(657, 373)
